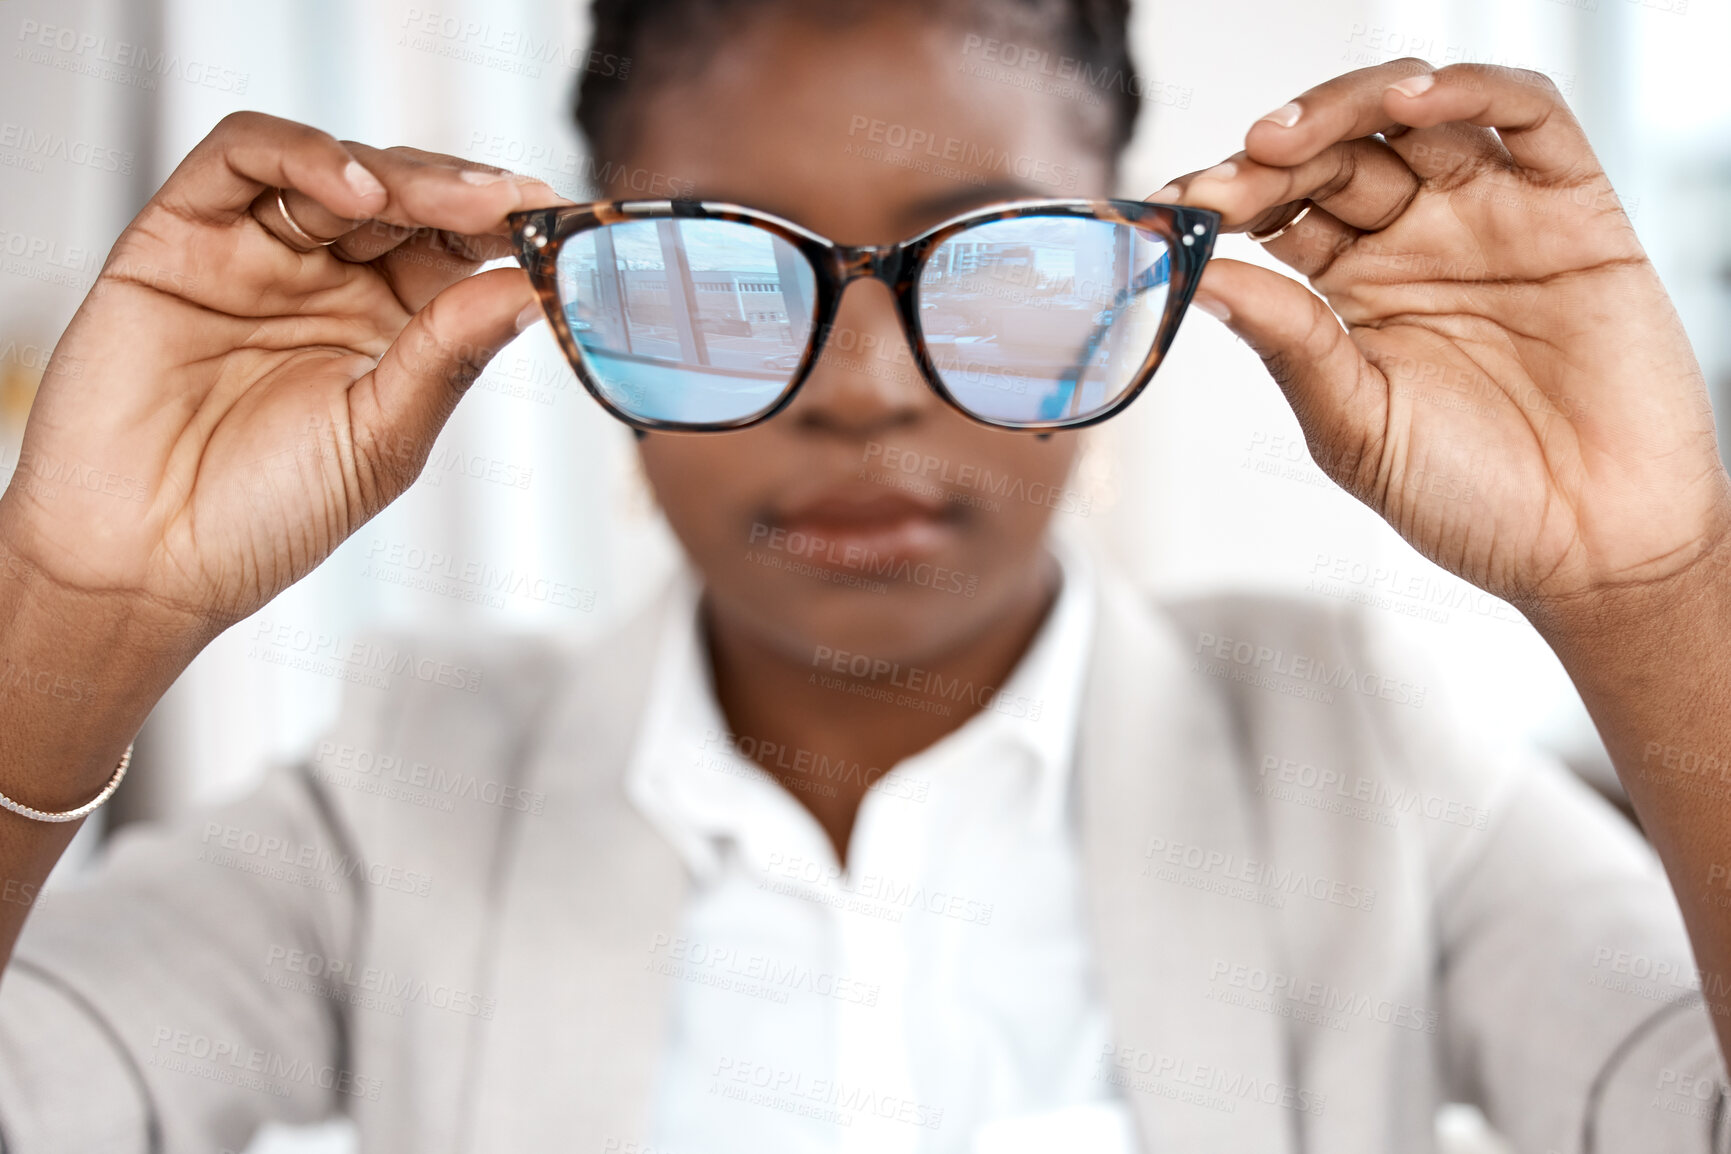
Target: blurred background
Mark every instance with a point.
(1205, 482)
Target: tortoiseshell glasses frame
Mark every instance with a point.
(540, 234)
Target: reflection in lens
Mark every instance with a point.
(1043, 318)
(687, 321)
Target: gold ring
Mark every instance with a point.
(295, 225)
(1264, 238)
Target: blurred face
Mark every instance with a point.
(868, 515)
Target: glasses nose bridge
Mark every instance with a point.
(882, 262)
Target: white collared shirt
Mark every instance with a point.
(936, 994)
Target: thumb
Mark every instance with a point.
(1340, 399)
(399, 408)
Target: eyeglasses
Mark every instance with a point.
(696, 316)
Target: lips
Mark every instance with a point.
(852, 526)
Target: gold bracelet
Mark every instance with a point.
(83, 810)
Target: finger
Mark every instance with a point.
(271, 209)
(398, 408)
(429, 190)
(370, 239)
(1311, 243)
(429, 262)
(1344, 108)
(375, 238)
(329, 186)
(1525, 108)
(422, 188)
(248, 152)
(1340, 399)
(1363, 183)
(418, 262)
(1451, 153)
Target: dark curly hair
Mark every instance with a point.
(657, 39)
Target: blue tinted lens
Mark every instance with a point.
(1037, 319)
(688, 321)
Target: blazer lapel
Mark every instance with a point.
(584, 888)
(1166, 840)
(581, 1020)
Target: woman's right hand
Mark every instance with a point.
(230, 402)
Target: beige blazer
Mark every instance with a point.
(443, 921)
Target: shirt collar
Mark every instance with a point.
(687, 780)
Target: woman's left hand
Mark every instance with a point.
(1515, 394)
(1512, 390)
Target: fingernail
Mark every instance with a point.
(476, 176)
(1415, 85)
(364, 183)
(1286, 115)
(530, 314)
(1214, 307)
(1225, 170)
(1171, 194)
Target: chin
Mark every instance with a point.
(901, 624)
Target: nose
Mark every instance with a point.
(866, 381)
